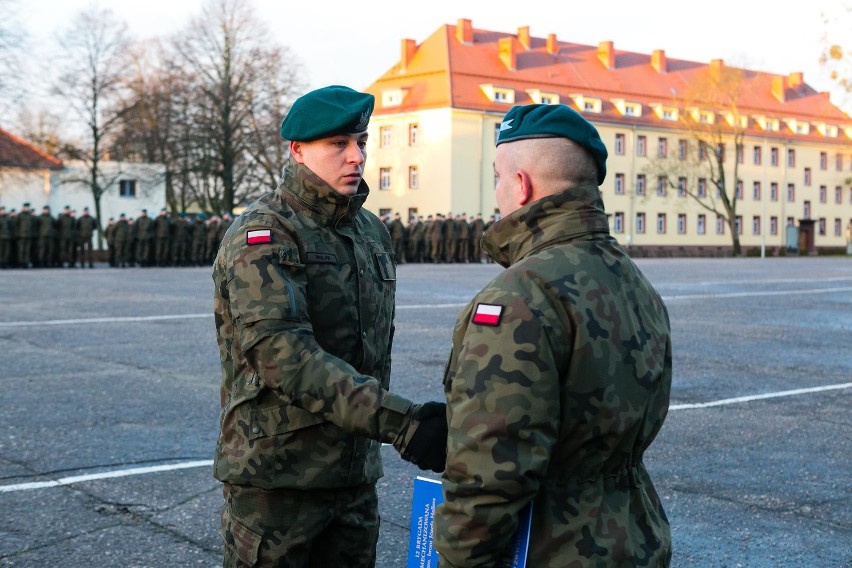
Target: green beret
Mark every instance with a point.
(553, 121)
(327, 112)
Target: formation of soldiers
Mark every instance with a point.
(438, 238)
(164, 240)
(28, 240)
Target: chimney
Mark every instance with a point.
(779, 88)
(508, 56)
(796, 81)
(552, 44)
(606, 54)
(408, 49)
(716, 66)
(524, 36)
(464, 31)
(658, 61)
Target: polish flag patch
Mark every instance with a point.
(487, 314)
(259, 237)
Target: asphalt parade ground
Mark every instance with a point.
(109, 394)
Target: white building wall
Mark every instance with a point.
(19, 186)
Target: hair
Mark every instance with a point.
(556, 164)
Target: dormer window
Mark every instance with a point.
(663, 112)
(736, 120)
(798, 126)
(627, 108)
(702, 116)
(827, 130)
(768, 124)
(392, 97)
(543, 98)
(587, 104)
(498, 94)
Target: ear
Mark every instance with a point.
(525, 191)
(296, 151)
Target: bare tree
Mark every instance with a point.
(93, 59)
(12, 39)
(226, 52)
(710, 112)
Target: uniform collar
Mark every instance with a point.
(317, 196)
(564, 216)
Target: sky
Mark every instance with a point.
(353, 43)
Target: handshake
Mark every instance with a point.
(423, 442)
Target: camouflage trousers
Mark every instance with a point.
(288, 528)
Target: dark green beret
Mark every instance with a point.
(327, 112)
(553, 121)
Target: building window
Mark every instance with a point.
(720, 152)
(738, 224)
(773, 191)
(807, 177)
(838, 195)
(755, 191)
(618, 222)
(384, 178)
(413, 177)
(791, 192)
(823, 160)
(791, 158)
(662, 182)
(838, 227)
(385, 136)
(791, 222)
(661, 223)
(740, 154)
(662, 148)
(838, 162)
(640, 223)
(384, 211)
(702, 187)
(681, 186)
(755, 225)
(739, 189)
(640, 184)
(413, 132)
(682, 149)
(806, 209)
(758, 155)
(821, 225)
(619, 184)
(681, 223)
(720, 225)
(701, 225)
(127, 188)
(773, 157)
(702, 151)
(619, 144)
(823, 194)
(773, 225)
(641, 145)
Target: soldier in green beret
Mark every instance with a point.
(305, 284)
(560, 370)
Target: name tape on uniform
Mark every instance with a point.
(487, 314)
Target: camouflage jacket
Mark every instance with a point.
(304, 304)
(554, 393)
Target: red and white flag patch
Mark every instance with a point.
(259, 237)
(487, 314)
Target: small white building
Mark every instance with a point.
(27, 174)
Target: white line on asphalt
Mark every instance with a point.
(208, 463)
(413, 307)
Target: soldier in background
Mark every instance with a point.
(25, 236)
(182, 241)
(5, 237)
(416, 238)
(436, 240)
(46, 232)
(211, 242)
(560, 370)
(86, 227)
(142, 232)
(199, 239)
(109, 235)
(163, 232)
(450, 237)
(397, 233)
(122, 241)
(224, 224)
(66, 227)
(477, 227)
(463, 235)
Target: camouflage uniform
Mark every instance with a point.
(557, 401)
(304, 304)
(86, 227)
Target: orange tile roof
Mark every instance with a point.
(444, 72)
(17, 153)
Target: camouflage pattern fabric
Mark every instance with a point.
(557, 402)
(289, 528)
(305, 285)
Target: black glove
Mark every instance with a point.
(427, 445)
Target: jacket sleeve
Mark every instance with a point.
(502, 392)
(267, 293)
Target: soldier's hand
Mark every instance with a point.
(426, 437)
